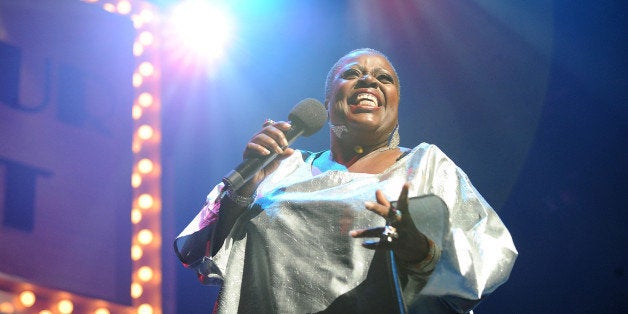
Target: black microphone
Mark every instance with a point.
(306, 118)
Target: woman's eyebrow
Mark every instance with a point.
(354, 65)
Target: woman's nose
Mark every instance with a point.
(367, 79)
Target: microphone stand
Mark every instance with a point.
(394, 274)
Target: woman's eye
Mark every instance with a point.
(385, 78)
(351, 73)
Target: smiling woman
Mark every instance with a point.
(282, 241)
(363, 101)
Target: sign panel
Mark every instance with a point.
(65, 146)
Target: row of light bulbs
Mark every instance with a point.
(145, 250)
(27, 299)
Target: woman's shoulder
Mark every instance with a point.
(423, 147)
(426, 150)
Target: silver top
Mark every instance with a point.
(291, 252)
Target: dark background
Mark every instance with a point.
(528, 97)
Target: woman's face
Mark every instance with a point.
(364, 95)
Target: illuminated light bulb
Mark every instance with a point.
(124, 7)
(101, 310)
(136, 216)
(136, 290)
(147, 15)
(145, 132)
(146, 38)
(145, 99)
(145, 309)
(7, 307)
(136, 147)
(138, 49)
(45, 312)
(136, 112)
(136, 252)
(145, 166)
(145, 201)
(109, 7)
(145, 237)
(137, 80)
(65, 306)
(27, 298)
(145, 273)
(136, 180)
(138, 22)
(146, 68)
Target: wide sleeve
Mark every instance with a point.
(193, 245)
(477, 250)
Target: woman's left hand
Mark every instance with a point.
(410, 245)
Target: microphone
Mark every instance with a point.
(306, 118)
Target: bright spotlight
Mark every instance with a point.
(202, 28)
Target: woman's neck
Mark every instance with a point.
(348, 154)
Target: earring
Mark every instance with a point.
(393, 139)
(338, 130)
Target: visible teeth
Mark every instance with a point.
(362, 97)
(366, 103)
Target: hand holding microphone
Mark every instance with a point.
(269, 146)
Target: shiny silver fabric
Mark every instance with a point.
(291, 252)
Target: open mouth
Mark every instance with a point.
(364, 102)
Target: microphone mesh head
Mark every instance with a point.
(310, 114)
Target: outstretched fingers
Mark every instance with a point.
(396, 217)
(402, 201)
